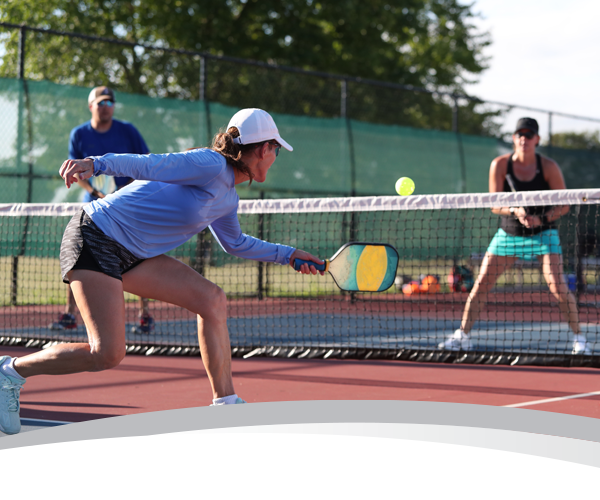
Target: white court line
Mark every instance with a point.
(275, 441)
(552, 400)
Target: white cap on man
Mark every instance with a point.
(256, 125)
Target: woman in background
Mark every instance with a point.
(524, 233)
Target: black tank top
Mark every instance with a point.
(509, 223)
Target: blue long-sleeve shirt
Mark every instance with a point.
(176, 196)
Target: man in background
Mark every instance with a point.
(101, 135)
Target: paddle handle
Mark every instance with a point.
(318, 267)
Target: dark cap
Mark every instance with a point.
(101, 94)
(527, 123)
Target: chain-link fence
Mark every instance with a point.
(351, 136)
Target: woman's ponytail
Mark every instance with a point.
(224, 145)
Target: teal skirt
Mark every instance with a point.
(525, 247)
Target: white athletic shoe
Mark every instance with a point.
(257, 435)
(458, 341)
(238, 401)
(580, 345)
(10, 388)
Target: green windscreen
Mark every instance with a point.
(331, 157)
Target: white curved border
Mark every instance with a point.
(579, 431)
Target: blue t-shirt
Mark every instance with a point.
(122, 137)
(178, 195)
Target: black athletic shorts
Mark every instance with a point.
(85, 246)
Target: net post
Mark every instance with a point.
(261, 265)
(14, 281)
(199, 256)
(579, 277)
(463, 173)
(344, 98)
(352, 230)
(350, 138)
(204, 99)
(21, 51)
(202, 90)
(21, 109)
(461, 153)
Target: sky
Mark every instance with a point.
(544, 54)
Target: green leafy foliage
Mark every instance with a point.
(424, 43)
(577, 140)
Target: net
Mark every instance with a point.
(273, 311)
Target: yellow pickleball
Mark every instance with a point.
(405, 186)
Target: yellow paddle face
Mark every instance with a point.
(371, 268)
(364, 267)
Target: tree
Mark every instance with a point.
(425, 43)
(577, 140)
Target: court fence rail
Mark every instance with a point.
(352, 137)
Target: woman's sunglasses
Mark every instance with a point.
(527, 135)
(277, 147)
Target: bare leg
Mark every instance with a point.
(101, 304)
(492, 268)
(552, 266)
(167, 279)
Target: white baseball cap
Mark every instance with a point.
(256, 125)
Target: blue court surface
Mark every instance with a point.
(339, 331)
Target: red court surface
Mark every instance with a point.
(154, 383)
